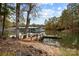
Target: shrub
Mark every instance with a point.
(70, 40)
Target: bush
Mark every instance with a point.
(6, 34)
(70, 40)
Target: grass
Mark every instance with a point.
(7, 53)
(69, 52)
(69, 44)
(69, 40)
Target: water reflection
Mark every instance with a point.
(51, 41)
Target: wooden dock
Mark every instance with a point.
(51, 37)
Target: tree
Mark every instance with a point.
(28, 11)
(17, 19)
(5, 10)
(4, 18)
(32, 11)
(74, 8)
(66, 19)
(51, 25)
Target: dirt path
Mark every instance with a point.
(51, 50)
(12, 47)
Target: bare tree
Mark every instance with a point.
(32, 10)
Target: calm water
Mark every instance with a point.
(51, 42)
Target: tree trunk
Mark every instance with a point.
(27, 22)
(0, 18)
(17, 19)
(28, 19)
(0, 10)
(4, 18)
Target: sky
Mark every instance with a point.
(49, 10)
